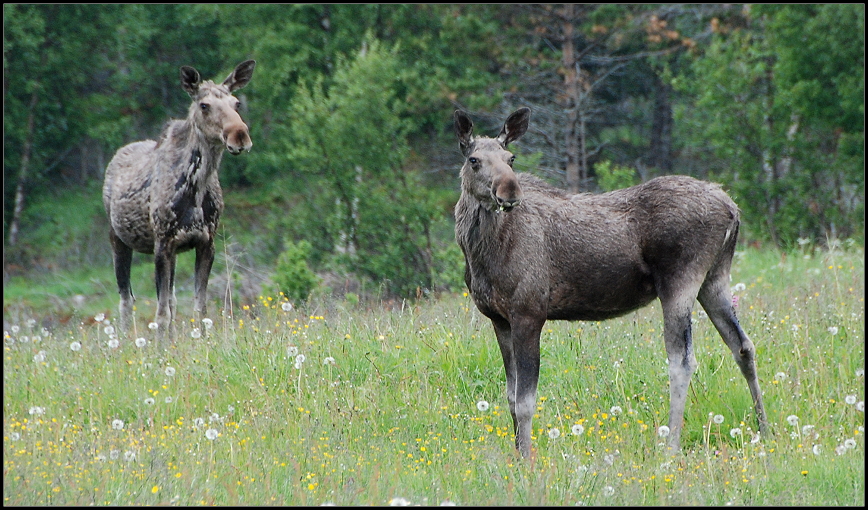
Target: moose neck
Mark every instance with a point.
(477, 226)
(202, 154)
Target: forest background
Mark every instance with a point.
(353, 174)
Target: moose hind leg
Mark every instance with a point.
(682, 360)
(164, 265)
(204, 261)
(716, 299)
(122, 257)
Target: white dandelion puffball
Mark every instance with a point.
(850, 443)
(833, 330)
(739, 287)
(780, 376)
(196, 333)
(735, 432)
(793, 420)
(850, 399)
(482, 405)
(169, 400)
(198, 422)
(36, 411)
(286, 306)
(328, 361)
(292, 351)
(141, 342)
(208, 323)
(75, 346)
(40, 357)
(663, 431)
(718, 418)
(860, 406)
(608, 491)
(399, 502)
(153, 326)
(113, 343)
(817, 449)
(299, 361)
(108, 330)
(149, 401)
(118, 424)
(578, 429)
(114, 454)
(755, 438)
(170, 371)
(99, 317)
(211, 434)
(129, 456)
(615, 410)
(554, 433)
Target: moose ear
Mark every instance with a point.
(240, 76)
(190, 80)
(463, 130)
(514, 127)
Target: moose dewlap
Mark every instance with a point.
(534, 252)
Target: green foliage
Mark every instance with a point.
(293, 277)
(611, 176)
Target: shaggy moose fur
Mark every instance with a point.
(164, 197)
(534, 252)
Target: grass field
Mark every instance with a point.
(353, 404)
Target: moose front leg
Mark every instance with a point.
(504, 339)
(204, 261)
(525, 348)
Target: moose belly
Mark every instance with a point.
(600, 295)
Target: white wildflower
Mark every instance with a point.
(663, 431)
(833, 330)
(108, 330)
(211, 434)
(482, 405)
(860, 406)
(208, 323)
(196, 333)
(850, 399)
(153, 325)
(817, 449)
(735, 432)
(718, 418)
(739, 287)
(292, 351)
(615, 410)
(554, 433)
(141, 342)
(850, 443)
(328, 361)
(793, 420)
(170, 371)
(113, 343)
(286, 306)
(99, 317)
(118, 424)
(75, 346)
(578, 429)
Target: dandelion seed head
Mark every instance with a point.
(608, 491)
(196, 333)
(578, 429)
(840, 449)
(214, 417)
(208, 323)
(860, 372)
(129, 456)
(663, 431)
(860, 406)
(615, 410)
(114, 454)
(718, 418)
(118, 424)
(24, 339)
(735, 432)
(170, 371)
(482, 405)
(286, 306)
(169, 400)
(739, 287)
(108, 330)
(817, 449)
(36, 410)
(554, 433)
(15, 329)
(99, 317)
(833, 330)
(40, 357)
(153, 326)
(198, 422)
(75, 346)
(292, 351)
(850, 443)
(780, 376)
(850, 399)
(609, 459)
(141, 342)
(149, 401)
(15, 436)
(447, 502)
(113, 343)
(328, 361)
(755, 438)
(211, 434)
(793, 420)
(399, 502)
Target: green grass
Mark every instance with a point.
(396, 415)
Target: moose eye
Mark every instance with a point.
(511, 160)
(473, 161)
(204, 107)
(237, 105)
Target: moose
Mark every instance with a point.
(534, 252)
(163, 197)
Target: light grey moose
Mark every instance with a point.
(534, 252)
(164, 197)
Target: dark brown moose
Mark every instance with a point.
(164, 197)
(534, 252)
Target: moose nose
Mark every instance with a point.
(507, 193)
(237, 139)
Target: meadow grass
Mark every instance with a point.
(338, 403)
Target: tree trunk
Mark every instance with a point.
(22, 173)
(571, 101)
(661, 128)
